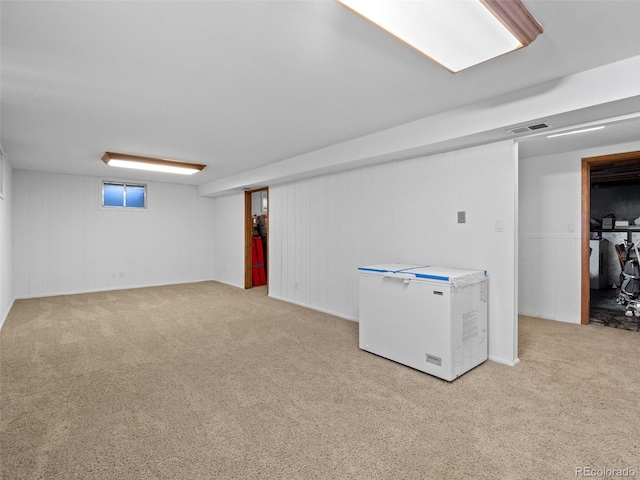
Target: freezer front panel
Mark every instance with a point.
(406, 322)
(423, 321)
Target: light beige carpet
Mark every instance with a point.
(206, 381)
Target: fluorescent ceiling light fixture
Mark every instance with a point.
(148, 163)
(457, 34)
(576, 131)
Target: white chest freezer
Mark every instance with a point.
(433, 319)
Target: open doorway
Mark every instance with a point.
(256, 235)
(610, 211)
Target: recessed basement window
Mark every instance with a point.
(124, 195)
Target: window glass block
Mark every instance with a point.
(113, 195)
(135, 196)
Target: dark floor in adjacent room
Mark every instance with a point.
(605, 311)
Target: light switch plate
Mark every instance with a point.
(462, 217)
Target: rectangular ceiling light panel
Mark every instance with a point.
(582, 130)
(457, 34)
(152, 164)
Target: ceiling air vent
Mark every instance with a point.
(530, 128)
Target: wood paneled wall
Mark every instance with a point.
(64, 242)
(229, 239)
(6, 261)
(323, 228)
(549, 283)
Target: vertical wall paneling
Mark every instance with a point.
(314, 234)
(87, 209)
(65, 242)
(6, 239)
(400, 212)
(340, 244)
(536, 279)
(299, 237)
(275, 252)
(567, 270)
(228, 238)
(67, 227)
(547, 287)
(323, 243)
(20, 231)
(35, 238)
(549, 272)
(77, 194)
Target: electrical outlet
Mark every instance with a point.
(121, 275)
(113, 275)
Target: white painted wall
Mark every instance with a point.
(322, 228)
(549, 207)
(64, 242)
(6, 281)
(229, 239)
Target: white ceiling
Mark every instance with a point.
(238, 85)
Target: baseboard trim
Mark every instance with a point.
(511, 363)
(554, 319)
(6, 314)
(225, 283)
(317, 309)
(109, 289)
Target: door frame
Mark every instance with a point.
(248, 234)
(587, 162)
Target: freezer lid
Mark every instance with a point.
(458, 277)
(387, 268)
